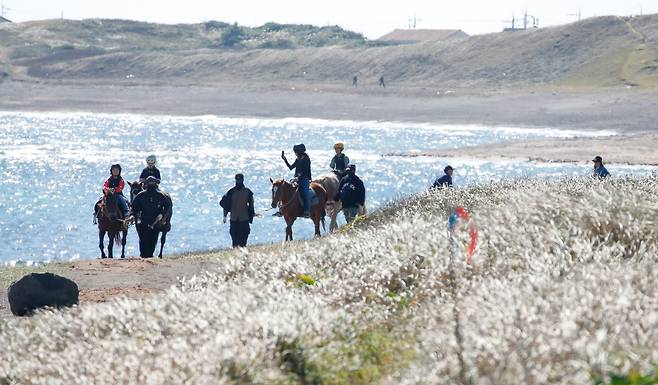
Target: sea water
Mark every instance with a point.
(52, 167)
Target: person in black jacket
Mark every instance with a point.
(150, 169)
(302, 166)
(149, 207)
(351, 193)
(239, 201)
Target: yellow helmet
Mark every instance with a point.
(339, 145)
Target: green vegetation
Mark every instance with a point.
(364, 358)
(634, 377)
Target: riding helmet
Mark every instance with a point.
(115, 166)
(151, 158)
(339, 145)
(299, 148)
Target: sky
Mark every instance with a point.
(370, 17)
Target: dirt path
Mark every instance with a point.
(100, 280)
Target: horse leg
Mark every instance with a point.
(101, 245)
(110, 245)
(163, 239)
(316, 222)
(123, 243)
(289, 223)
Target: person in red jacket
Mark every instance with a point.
(115, 184)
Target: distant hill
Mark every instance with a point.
(598, 52)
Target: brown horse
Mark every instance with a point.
(285, 195)
(111, 221)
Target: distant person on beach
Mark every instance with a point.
(150, 169)
(381, 82)
(115, 185)
(340, 161)
(239, 201)
(149, 207)
(352, 194)
(355, 81)
(599, 169)
(445, 180)
(302, 166)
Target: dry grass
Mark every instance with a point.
(562, 290)
(598, 52)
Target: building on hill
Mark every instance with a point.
(411, 36)
(3, 20)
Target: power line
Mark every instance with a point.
(579, 14)
(3, 9)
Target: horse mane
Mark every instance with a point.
(111, 206)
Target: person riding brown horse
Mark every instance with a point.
(285, 195)
(111, 221)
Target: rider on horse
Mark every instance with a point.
(302, 166)
(340, 161)
(150, 169)
(115, 184)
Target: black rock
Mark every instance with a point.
(38, 290)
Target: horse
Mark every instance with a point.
(330, 183)
(111, 221)
(163, 225)
(285, 195)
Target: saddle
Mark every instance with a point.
(98, 206)
(314, 196)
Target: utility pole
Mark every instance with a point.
(3, 9)
(413, 22)
(513, 21)
(61, 16)
(579, 14)
(525, 19)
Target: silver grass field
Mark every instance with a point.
(563, 289)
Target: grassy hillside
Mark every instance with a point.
(597, 52)
(561, 290)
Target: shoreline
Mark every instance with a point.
(624, 149)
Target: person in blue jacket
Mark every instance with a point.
(599, 169)
(445, 180)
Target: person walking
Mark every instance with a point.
(239, 201)
(381, 82)
(352, 194)
(149, 207)
(445, 180)
(599, 169)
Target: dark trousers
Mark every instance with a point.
(239, 233)
(148, 238)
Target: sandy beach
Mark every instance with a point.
(633, 149)
(619, 109)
